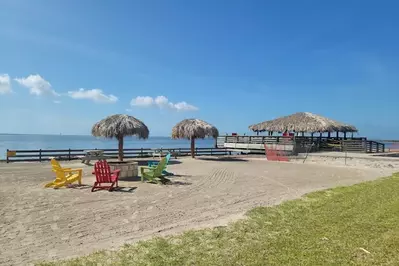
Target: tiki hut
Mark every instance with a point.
(303, 122)
(120, 126)
(194, 129)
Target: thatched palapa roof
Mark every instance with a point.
(303, 122)
(194, 128)
(116, 126)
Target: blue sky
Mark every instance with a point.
(67, 64)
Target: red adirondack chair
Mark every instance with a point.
(275, 155)
(104, 175)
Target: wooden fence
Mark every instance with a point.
(73, 154)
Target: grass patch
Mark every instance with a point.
(357, 225)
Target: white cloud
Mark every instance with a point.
(161, 102)
(37, 85)
(142, 101)
(95, 95)
(5, 84)
(57, 102)
(185, 106)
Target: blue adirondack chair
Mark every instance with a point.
(154, 164)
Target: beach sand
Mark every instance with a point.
(46, 224)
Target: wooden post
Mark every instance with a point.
(192, 147)
(69, 154)
(344, 135)
(303, 134)
(40, 155)
(141, 153)
(337, 135)
(329, 134)
(352, 135)
(120, 149)
(8, 160)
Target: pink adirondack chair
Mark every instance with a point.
(104, 175)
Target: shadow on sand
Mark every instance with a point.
(223, 159)
(118, 189)
(178, 183)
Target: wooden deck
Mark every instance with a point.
(300, 144)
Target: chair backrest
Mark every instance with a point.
(160, 167)
(102, 171)
(57, 169)
(55, 164)
(168, 158)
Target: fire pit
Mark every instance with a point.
(128, 168)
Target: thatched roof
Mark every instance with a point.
(116, 126)
(194, 128)
(303, 122)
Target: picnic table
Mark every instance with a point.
(93, 155)
(163, 152)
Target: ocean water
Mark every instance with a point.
(45, 142)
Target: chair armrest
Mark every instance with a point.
(152, 163)
(73, 170)
(116, 171)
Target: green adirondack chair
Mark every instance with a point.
(154, 174)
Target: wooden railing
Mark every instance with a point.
(375, 146)
(72, 154)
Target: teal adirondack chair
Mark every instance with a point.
(154, 164)
(154, 174)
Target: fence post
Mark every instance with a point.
(196, 151)
(69, 154)
(40, 155)
(211, 151)
(8, 160)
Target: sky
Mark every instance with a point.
(65, 65)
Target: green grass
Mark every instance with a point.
(323, 228)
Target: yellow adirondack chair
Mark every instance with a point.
(64, 176)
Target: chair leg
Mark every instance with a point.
(111, 187)
(94, 186)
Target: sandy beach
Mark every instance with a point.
(47, 224)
